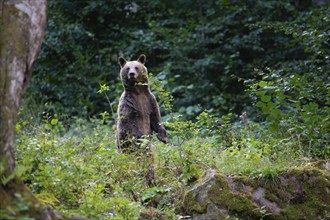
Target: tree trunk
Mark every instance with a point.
(22, 24)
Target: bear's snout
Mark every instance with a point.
(131, 75)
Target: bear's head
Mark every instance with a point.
(133, 73)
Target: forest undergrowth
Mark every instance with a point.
(72, 164)
(76, 169)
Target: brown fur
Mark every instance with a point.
(138, 111)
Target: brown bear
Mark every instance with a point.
(138, 111)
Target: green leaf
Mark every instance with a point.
(276, 112)
(262, 84)
(266, 98)
(150, 193)
(54, 121)
(260, 104)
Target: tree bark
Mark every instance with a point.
(22, 24)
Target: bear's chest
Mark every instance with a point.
(141, 113)
(142, 104)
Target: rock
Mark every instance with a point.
(299, 193)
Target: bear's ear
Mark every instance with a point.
(142, 59)
(122, 61)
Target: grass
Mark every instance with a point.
(77, 169)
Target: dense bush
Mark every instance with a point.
(294, 95)
(202, 50)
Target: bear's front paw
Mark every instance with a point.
(162, 139)
(162, 136)
(138, 134)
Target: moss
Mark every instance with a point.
(300, 211)
(246, 180)
(244, 184)
(15, 194)
(299, 193)
(239, 204)
(191, 205)
(314, 184)
(302, 192)
(216, 190)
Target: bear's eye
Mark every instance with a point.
(127, 69)
(136, 68)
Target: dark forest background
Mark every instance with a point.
(205, 53)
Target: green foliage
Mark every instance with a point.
(158, 87)
(207, 45)
(78, 170)
(151, 193)
(295, 95)
(66, 168)
(199, 49)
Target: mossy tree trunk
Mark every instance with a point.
(22, 24)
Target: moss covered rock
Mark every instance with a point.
(299, 193)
